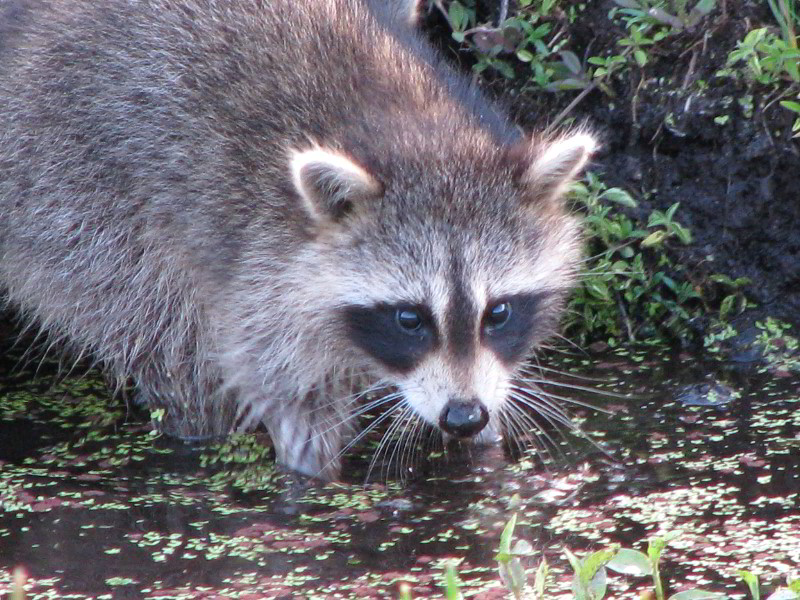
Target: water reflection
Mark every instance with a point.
(94, 504)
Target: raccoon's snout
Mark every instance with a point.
(463, 418)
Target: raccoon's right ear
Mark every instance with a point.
(403, 12)
(409, 10)
(330, 184)
(549, 166)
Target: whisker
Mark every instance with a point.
(533, 432)
(529, 369)
(561, 418)
(359, 412)
(581, 388)
(569, 342)
(541, 394)
(402, 427)
(386, 439)
(549, 410)
(606, 252)
(357, 438)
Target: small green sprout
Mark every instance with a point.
(20, 578)
(633, 562)
(404, 592)
(589, 574)
(452, 585)
(512, 573)
(675, 14)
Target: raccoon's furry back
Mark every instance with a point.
(183, 181)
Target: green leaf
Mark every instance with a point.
(784, 594)
(599, 290)
(540, 579)
(656, 218)
(754, 37)
(670, 283)
(547, 5)
(615, 229)
(525, 55)
(629, 4)
(654, 239)
(630, 562)
(725, 280)
(725, 308)
(640, 56)
(519, 576)
(451, 582)
(597, 586)
(619, 266)
(671, 211)
(572, 62)
(703, 7)
(459, 18)
(619, 196)
(656, 545)
(795, 106)
(508, 533)
(751, 579)
(571, 83)
(574, 561)
(504, 68)
(684, 235)
(595, 561)
(697, 595)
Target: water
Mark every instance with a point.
(94, 505)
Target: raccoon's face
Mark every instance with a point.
(444, 284)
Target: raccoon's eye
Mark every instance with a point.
(409, 320)
(498, 315)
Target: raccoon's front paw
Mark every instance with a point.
(315, 467)
(307, 452)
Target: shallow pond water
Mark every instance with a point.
(95, 505)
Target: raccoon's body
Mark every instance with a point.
(260, 210)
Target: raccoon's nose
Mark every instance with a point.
(463, 418)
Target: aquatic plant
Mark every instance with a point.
(589, 580)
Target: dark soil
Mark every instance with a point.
(736, 182)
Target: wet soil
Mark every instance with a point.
(94, 505)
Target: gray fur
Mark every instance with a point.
(149, 213)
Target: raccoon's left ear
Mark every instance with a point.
(552, 165)
(331, 184)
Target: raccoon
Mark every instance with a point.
(266, 211)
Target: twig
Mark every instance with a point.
(690, 71)
(503, 12)
(560, 117)
(625, 319)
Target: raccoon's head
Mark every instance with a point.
(443, 272)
